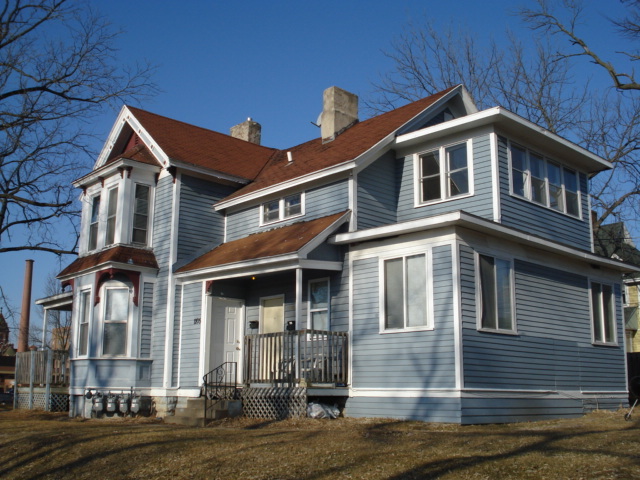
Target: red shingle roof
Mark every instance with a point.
(313, 156)
(117, 254)
(205, 148)
(279, 241)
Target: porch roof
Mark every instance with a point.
(298, 238)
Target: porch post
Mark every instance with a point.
(47, 394)
(45, 320)
(298, 310)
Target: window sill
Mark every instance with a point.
(513, 333)
(605, 344)
(406, 330)
(442, 200)
(273, 222)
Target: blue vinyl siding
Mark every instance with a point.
(415, 359)
(175, 351)
(190, 335)
(378, 193)
(480, 203)
(283, 284)
(199, 224)
(161, 249)
(542, 221)
(446, 410)
(319, 202)
(552, 350)
(146, 321)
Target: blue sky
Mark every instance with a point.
(220, 62)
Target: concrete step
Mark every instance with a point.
(192, 414)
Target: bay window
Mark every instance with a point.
(140, 215)
(83, 323)
(543, 181)
(94, 222)
(112, 212)
(116, 317)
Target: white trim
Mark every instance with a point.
(180, 336)
(477, 392)
(505, 118)
(281, 207)
(495, 177)
(350, 314)
(205, 306)
(603, 343)
(171, 284)
(457, 314)
(512, 291)
(429, 313)
(463, 219)
(353, 201)
(298, 305)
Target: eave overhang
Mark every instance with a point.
(60, 301)
(117, 257)
(510, 124)
(472, 222)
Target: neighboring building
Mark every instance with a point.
(7, 357)
(614, 241)
(434, 262)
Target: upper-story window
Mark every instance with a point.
(119, 213)
(84, 316)
(94, 222)
(543, 181)
(282, 208)
(112, 212)
(140, 215)
(444, 173)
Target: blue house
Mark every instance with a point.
(434, 262)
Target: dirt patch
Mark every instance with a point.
(46, 446)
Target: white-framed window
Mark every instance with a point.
(405, 293)
(139, 232)
(112, 213)
(544, 181)
(84, 318)
(94, 223)
(495, 299)
(444, 173)
(115, 321)
(282, 208)
(319, 304)
(603, 313)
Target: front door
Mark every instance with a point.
(226, 339)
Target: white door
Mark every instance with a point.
(226, 339)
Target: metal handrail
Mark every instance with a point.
(219, 384)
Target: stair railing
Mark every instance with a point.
(219, 384)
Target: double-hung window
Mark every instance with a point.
(496, 312)
(112, 213)
(319, 304)
(405, 299)
(603, 314)
(543, 181)
(83, 322)
(94, 223)
(444, 173)
(140, 215)
(116, 316)
(282, 208)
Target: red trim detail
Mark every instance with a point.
(207, 286)
(108, 274)
(67, 283)
(125, 169)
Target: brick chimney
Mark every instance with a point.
(339, 112)
(248, 131)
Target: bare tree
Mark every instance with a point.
(58, 321)
(534, 81)
(58, 69)
(564, 17)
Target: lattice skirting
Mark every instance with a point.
(274, 403)
(59, 402)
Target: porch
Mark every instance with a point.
(298, 358)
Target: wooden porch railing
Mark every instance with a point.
(42, 367)
(297, 357)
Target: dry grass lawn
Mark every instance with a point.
(34, 445)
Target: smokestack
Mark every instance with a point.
(339, 112)
(248, 131)
(23, 334)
